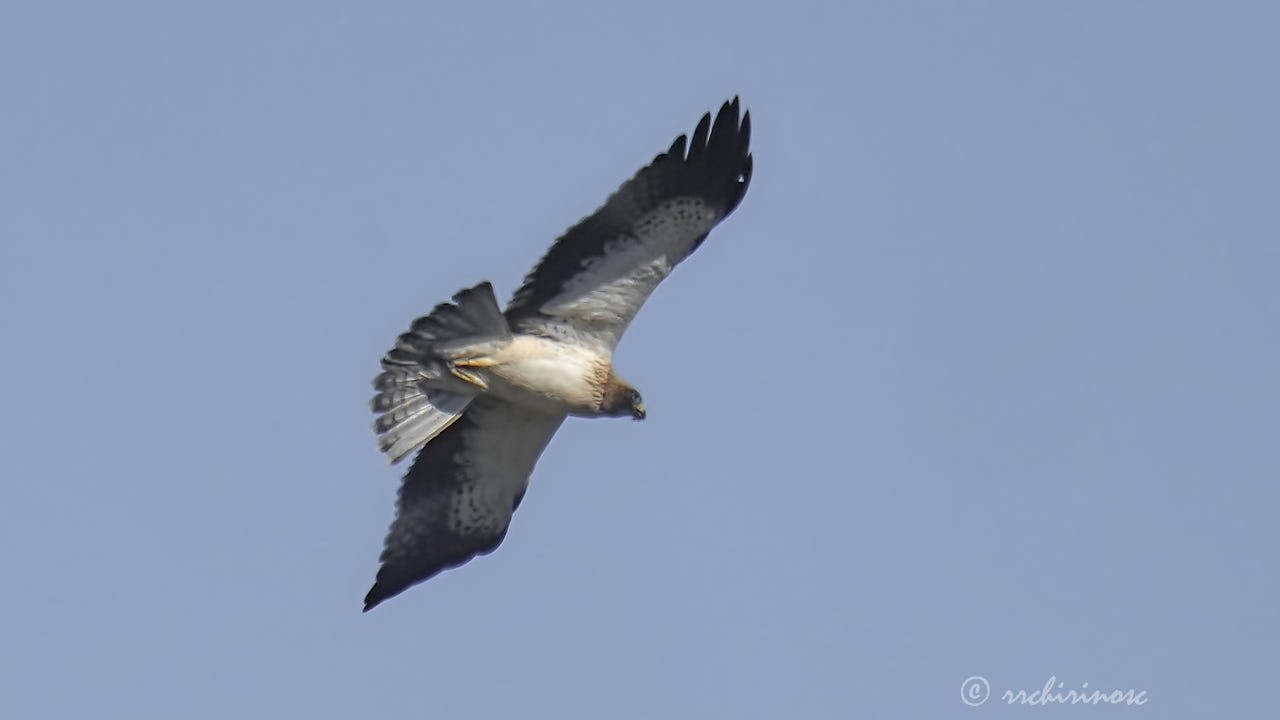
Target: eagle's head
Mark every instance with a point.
(620, 400)
(637, 405)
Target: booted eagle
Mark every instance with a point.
(481, 390)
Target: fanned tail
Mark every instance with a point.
(418, 396)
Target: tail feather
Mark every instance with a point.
(407, 406)
(474, 314)
(416, 422)
(418, 397)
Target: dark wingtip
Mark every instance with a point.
(729, 147)
(677, 147)
(375, 596)
(698, 143)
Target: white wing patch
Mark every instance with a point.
(606, 294)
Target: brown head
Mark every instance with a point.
(620, 399)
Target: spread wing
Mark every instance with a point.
(594, 279)
(458, 496)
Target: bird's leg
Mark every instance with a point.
(457, 369)
(468, 377)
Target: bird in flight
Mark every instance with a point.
(481, 390)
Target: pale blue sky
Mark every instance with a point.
(982, 378)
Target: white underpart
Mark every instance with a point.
(548, 376)
(507, 443)
(610, 289)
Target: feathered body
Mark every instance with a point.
(481, 390)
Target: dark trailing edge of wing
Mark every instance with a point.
(419, 545)
(716, 167)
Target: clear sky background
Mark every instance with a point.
(982, 378)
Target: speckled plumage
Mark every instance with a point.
(481, 390)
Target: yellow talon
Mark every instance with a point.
(468, 377)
